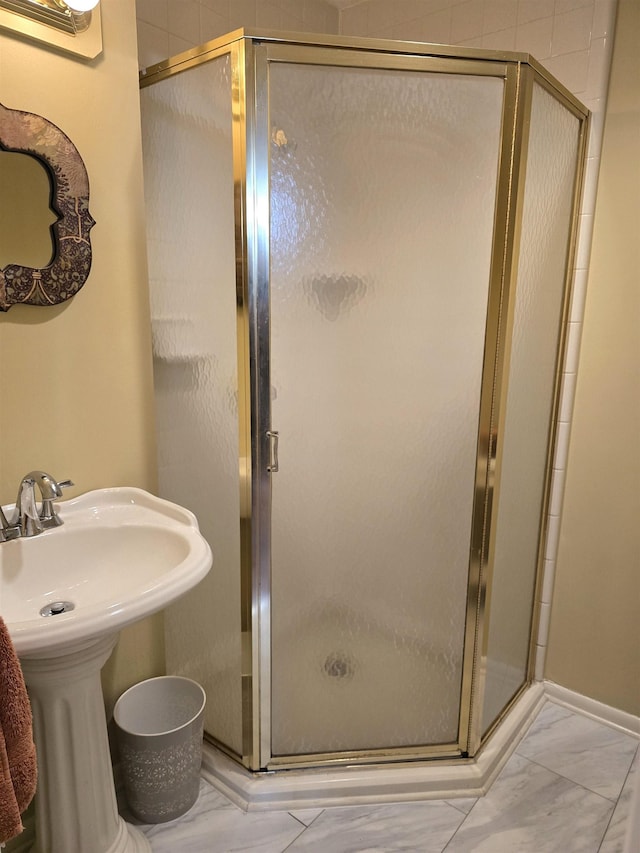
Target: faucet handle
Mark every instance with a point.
(48, 515)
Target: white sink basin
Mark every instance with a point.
(120, 555)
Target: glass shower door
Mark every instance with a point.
(552, 162)
(187, 139)
(382, 200)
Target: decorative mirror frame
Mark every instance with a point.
(37, 137)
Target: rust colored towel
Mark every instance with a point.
(18, 771)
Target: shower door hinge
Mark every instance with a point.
(274, 466)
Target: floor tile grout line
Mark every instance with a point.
(307, 825)
(462, 811)
(606, 829)
(626, 779)
(461, 824)
(577, 784)
(459, 827)
(560, 776)
(299, 835)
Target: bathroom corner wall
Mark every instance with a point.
(76, 379)
(594, 643)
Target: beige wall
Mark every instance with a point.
(594, 645)
(76, 379)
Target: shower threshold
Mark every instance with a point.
(384, 783)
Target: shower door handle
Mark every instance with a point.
(274, 466)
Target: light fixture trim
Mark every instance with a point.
(53, 23)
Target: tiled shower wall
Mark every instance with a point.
(572, 38)
(167, 27)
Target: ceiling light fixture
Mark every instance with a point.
(82, 5)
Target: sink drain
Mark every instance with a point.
(57, 607)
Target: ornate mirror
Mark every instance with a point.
(32, 135)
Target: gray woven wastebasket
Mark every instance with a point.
(159, 725)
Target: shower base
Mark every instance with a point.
(329, 670)
(380, 783)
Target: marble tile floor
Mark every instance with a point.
(566, 789)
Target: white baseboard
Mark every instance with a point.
(317, 788)
(613, 717)
(408, 782)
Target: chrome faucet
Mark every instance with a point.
(25, 519)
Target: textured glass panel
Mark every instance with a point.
(546, 222)
(382, 203)
(189, 196)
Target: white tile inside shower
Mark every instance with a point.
(535, 37)
(154, 12)
(604, 14)
(499, 15)
(467, 21)
(153, 43)
(531, 10)
(578, 297)
(501, 40)
(572, 30)
(188, 23)
(571, 69)
(184, 20)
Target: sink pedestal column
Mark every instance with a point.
(76, 810)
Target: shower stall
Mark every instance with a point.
(360, 254)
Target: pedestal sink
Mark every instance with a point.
(121, 554)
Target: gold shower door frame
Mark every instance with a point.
(263, 55)
(251, 53)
